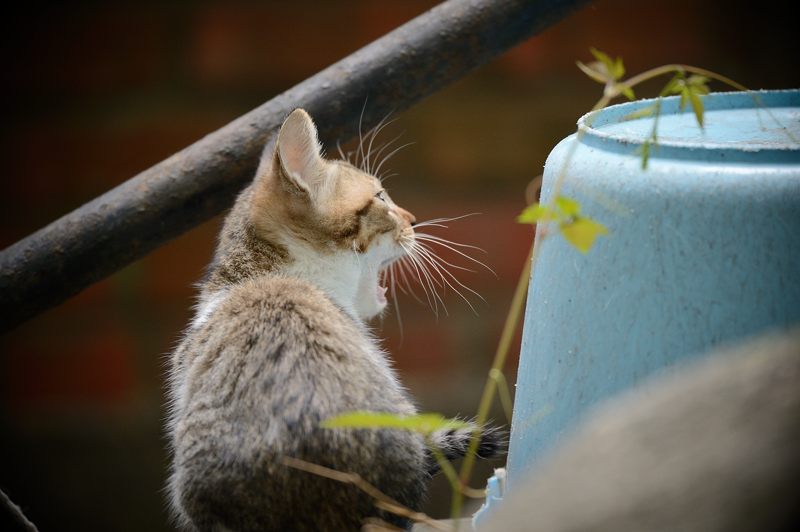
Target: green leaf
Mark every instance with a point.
(420, 423)
(626, 91)
(697, 106)
(535, 213)
(568, 207)
(613, 68)
(674, 85)
(582, 232)
(641, 113)
(684, 97)
(698, 83)
(595, 71)
(619, 68)
(602, 57)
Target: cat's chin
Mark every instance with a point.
(380, 301)
(371, 297)
(372, 309)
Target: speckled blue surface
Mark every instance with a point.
(756, 122)
(704, 250)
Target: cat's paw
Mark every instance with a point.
(454, 443)
(493, 443)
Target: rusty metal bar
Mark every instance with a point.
(129, 221)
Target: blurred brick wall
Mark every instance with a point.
(96, 92)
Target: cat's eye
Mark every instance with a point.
(380, 195)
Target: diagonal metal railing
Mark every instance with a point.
(127, 222)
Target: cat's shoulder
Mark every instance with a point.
(275, 290)
(267, 300)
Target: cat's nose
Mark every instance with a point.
(407, 216)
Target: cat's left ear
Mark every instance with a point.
(298, 153)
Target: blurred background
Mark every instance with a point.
(97, 92)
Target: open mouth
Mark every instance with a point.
(380, 294)
(381, 287)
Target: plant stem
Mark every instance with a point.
(667, 69)
(452, 475)
(446, 467)
(489, 389)
(505, 393)
(517, 303)
(509, 328)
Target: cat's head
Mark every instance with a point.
(339, 226)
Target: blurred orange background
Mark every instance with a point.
(98, 92)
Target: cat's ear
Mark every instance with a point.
(298, 153)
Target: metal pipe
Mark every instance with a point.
(129, 221)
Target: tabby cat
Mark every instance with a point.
(280, 343)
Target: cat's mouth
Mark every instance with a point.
(380, 294)
(383, 278)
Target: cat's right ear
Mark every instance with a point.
(298, 154)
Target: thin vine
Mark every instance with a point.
(688, 82)
(578, 230)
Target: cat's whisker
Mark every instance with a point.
(421, 271)
(445, 220)
(360, 153)
(437, 266)
(402, 270)
(355, 252)
(426, 267)
(456, 266)
(385, 146)
(432, 283)
(425, 236)
(419, 257)
(383, 178)
(420, 225)
(424, 240)
(392, 288)
(433, 260)
(446, 244)
(341, 152)
(465, 287)
(400, 275)
(424, 256)
(410, 258)
(390, 155)
(432, 270)
(403, 283)
(372, 135)
(363, 161)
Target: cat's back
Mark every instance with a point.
(278, 330)
(253, 383)
(273, 309)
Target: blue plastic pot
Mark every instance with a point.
(703, 249)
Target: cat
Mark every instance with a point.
(279, 343)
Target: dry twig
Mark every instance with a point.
(382, 501)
